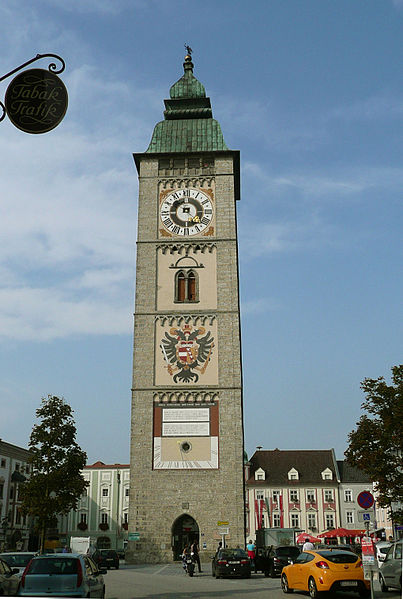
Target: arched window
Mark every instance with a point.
(186, 286)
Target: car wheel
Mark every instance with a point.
(266, 573)
(313, 591)
(284, 584)
(364, 593)
(384, 588)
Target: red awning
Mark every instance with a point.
(341, 532)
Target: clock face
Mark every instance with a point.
(186, 212)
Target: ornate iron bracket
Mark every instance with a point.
(52, 67)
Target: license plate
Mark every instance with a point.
(348, 583)
(233, 562)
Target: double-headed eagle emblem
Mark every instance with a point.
(185, 350)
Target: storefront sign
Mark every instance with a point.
(36, 101)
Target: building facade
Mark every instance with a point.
(15, 528)
(187, 424)
(352, 482)
(308, 490)
(293, 489)
(103, 510)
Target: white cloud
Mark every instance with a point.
(381, 106)
(46, 314)
(257, 306)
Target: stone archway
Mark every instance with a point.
(184, 530)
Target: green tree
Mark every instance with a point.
(376, 445)
(56, 482)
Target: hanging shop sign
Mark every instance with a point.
(36, 101)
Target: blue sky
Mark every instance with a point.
(310, 92)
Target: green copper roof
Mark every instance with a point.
(188, 124)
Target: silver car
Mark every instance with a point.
(390, 573)
(62, 575)
(18, 559)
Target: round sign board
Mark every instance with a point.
(36, 101)
(365, 500)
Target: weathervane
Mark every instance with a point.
(188, 49)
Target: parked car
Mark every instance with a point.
(381, 550)
(62, 575)
(390, 573)
(17, 560)
(325, 570)
(231, 562)
(9, 581)
(106, 558)
(278, 557)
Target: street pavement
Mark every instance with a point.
(168, 581)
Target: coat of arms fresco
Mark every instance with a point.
(187, 351)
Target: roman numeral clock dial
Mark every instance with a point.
(186, 212)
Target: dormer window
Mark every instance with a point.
(260, 474)
(293, 474)
(327, 474)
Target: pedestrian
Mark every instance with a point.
(184, 556)
(194, 552)
(250, 547)
(219, 547)
(308, 546)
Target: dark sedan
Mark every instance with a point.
(106, 558)
(231, 562)
(277, 558)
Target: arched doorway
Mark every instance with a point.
(184, 530)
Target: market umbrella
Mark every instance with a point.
(301, 538)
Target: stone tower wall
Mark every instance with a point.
(159, 497)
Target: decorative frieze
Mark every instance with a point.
(185, 397)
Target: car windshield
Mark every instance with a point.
(17, 560)
(287, 551)
(230, 553)
(53, 566)
(339, 557)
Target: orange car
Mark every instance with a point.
(325, 570)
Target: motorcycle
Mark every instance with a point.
(190, 565)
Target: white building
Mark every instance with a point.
(293, 489)
(14, 470)
(102, 511)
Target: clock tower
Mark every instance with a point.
(187, 422)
